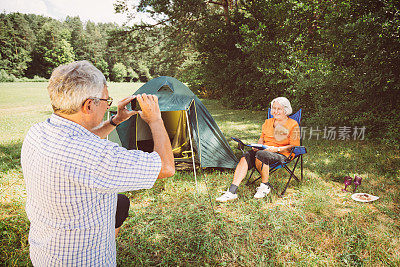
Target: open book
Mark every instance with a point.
(258, 146)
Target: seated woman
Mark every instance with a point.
(280, 134)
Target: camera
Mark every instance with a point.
(134, 104)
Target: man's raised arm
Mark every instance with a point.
(151, 114)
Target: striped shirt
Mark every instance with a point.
(72, 179)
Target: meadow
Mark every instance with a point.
(175, 223)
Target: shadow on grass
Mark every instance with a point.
(171, 231)
(10, 155)
(14, 228)
(168, 227)
(178, 234)
(335, 159)
(47, 113)
(378, 165)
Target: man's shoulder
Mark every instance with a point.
(36, 129)
(67, 137)
(71, 136)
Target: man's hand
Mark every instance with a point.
(150, 110)
(123, 113)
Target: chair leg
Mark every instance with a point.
(276, 191)
(287, 184)
(292, 171)
(272, 170)
(248, 179)
(270, 185)
(301, 165)
(291, 175)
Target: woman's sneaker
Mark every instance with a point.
(262, 191)
(227, 196)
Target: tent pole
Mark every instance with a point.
(191, 147)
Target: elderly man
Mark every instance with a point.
(73, 174)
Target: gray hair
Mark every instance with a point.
(71, 84)
(285, 103)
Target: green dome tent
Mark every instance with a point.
(191, 128)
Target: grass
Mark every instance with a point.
(175, 224)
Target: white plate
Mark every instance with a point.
(357, 196)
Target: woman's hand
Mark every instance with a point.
(273, 149)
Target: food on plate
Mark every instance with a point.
(364, 197)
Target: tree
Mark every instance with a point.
(168, 43)
(336, 58)
(15, 45)
(102, 65)
(79, 39)
(132, 75)
(119, 72)
(53, 48)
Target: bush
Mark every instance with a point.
(5, 77)
(144, 73)
(102, 65)
(37, 78)
(118, 72)
(132, 75)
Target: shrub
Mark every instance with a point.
(37, 78)
(119, 72)
(5, 77)
(144, 73)
(132, 75)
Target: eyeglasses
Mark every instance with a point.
(109, 100)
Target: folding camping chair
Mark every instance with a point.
(296, 155)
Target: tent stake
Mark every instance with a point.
(191, 147)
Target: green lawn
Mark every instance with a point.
(175, 224)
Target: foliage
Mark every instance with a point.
(102, 65)
(16, 43)
(78, 37)
(132, 75)
(5, 77)
(337, 59)
(34, 45)
(53, 47)
(119, 72)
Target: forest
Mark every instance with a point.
(338, 60)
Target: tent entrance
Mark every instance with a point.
(176, 124)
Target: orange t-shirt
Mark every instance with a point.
(281, 135)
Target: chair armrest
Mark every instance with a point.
(297, 151)
(240, 143)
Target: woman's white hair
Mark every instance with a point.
(71, 84)
(285, 103)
